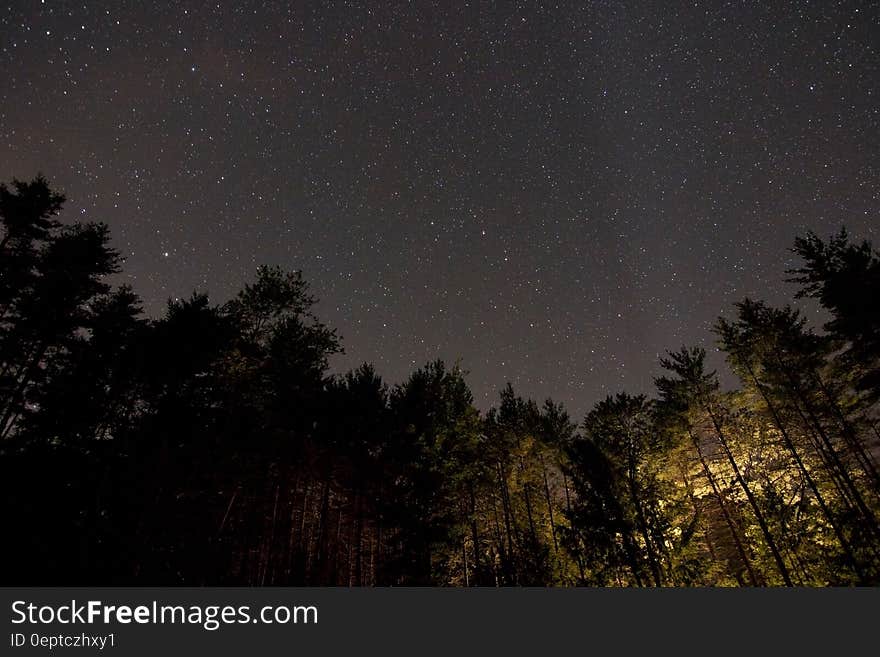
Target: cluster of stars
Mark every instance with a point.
(552, 195)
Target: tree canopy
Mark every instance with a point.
(213, 444)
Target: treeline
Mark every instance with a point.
(212, 445)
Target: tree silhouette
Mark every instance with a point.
(845, 278)
(214, 445)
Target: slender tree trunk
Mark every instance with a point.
(474, 535)
(734, 532)
(509, 523)
(640, 515)
(358, 540)
(271, 540)
(533, 534)
(335, 569)
(549, 504)
(753, 501)
(631, 555)
(856, 494)
(789, 443)
(503, 550)
(291, 534)
(378, 574)
(865, 458)
(467, 577)
(226, 515)
(323, 528)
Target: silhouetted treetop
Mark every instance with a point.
(214, 445)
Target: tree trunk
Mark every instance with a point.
(734, 531)
(789, 443)
(753, 501)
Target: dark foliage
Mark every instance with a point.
(212, 445)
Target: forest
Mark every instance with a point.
(214, 446)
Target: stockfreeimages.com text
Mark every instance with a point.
(209, 617)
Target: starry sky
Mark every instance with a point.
(552, 193)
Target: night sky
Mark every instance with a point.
(554, 194)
